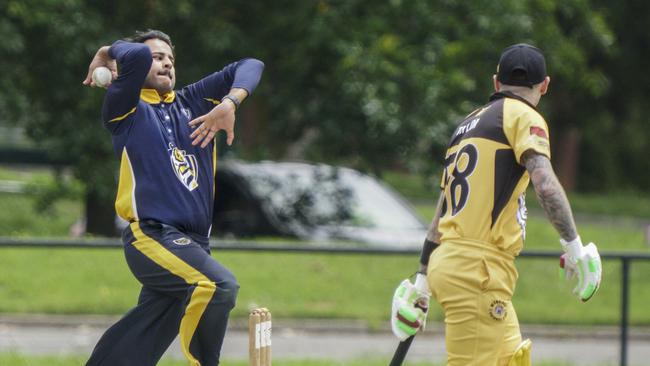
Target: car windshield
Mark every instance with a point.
(320, 195)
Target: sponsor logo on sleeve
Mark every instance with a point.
(538, 131)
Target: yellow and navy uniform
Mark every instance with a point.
(482, 226)
(166, 192)
(170, 180)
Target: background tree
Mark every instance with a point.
(373, 85)
(54, 40)
(615, 146)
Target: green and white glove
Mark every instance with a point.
(583, 262)
(410, 306)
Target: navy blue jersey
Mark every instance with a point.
(162, 176)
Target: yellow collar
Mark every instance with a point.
(151, 96)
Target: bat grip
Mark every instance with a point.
(400, 352)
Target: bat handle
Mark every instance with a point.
(400, 352)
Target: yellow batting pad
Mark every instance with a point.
(521, 357)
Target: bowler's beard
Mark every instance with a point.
(162, 87)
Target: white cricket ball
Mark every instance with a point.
(102, 76)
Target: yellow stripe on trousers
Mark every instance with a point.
(201, 295)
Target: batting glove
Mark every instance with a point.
(582, 262)
(410, 307)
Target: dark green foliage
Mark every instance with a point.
(374, 85)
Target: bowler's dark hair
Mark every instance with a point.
(142, 36)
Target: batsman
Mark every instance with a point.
(467, 260)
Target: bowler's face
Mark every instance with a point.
(162, 75)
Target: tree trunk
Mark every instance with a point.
(100, 215)
(566, 158)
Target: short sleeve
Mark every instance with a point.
(525, 129)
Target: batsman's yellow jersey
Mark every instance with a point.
(483, 183)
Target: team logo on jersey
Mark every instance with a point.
(182, 241)
(185, 167)
(498, 310)
(187, 113)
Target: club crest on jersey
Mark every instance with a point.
(187, 113)
(182, 241)
(498, 310)
(185, 167)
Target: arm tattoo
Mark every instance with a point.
(433, 234)
(550, 194)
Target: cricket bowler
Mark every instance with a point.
(164, 139)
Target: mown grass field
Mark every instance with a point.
(71, 281)
(22, 360)
(79, 281)
(21, 219)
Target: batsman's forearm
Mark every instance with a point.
(433, 234)
(433, 237)
(551, 196)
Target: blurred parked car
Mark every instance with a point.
(311, 202)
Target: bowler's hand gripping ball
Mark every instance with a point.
(102, 76)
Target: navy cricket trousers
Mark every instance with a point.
(184, 292)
